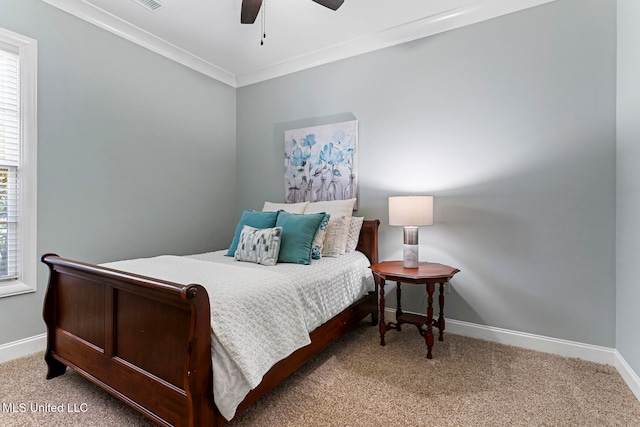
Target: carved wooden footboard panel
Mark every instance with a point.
(148, 341)
(144, 340)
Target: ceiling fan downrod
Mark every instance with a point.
(264, 22)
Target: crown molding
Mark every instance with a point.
(474, 12)
(477, 11)
(122, 28)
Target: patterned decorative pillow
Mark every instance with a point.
(354, 233)
(337, 209)
(316, 248)
(259, 245)
(333, 236)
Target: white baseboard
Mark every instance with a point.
(604, 355)
(23, 347)
(628, 375)
(592, 353)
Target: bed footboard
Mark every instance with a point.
(146, 341)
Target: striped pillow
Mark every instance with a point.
(259, 245)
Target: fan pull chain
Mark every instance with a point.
(264, 23)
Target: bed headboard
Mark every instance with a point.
(368, 242)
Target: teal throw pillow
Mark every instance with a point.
(253, 219)
(298, 232)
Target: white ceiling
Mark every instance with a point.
(206, 35)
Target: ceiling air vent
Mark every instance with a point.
(150, 5)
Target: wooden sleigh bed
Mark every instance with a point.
(148, 341)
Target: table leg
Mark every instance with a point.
(441, 315)
(398, 306)
(429, 335)
(383, 325)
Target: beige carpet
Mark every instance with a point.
(356, 382)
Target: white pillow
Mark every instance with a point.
(296, 208)
(337, 209)
(354, 233)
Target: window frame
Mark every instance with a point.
(27, 220)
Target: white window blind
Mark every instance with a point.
(18, 163)
(9, 163)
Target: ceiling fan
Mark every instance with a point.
(250, 8)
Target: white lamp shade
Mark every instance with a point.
(411, 210)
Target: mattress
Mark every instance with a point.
(327, 285)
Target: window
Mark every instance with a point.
(18, 257)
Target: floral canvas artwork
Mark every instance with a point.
(320, 162)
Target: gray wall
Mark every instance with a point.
(132, 151)
(510, 124)
(628, 187)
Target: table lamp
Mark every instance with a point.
(410, 212)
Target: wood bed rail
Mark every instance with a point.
(144, 340)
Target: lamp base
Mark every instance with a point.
(410, 257)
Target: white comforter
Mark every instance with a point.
(259, 315)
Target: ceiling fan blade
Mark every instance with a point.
(331, 4)
(249, 12)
